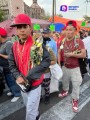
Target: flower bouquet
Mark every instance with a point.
(36, 52)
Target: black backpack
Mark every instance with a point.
(82, 61)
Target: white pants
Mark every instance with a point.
(75, 76)
(31, 100)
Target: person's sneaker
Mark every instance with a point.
(63, 94)
(47, 99)
(75, 105)
(15, 99)
(9, 94)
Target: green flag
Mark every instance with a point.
(36, 27)
(83, 23)
(52, 27)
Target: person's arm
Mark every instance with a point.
(36, 72)
(14, 70)
(53, 62)
(82, 54)
(12, 65)
(4, 56)
(7, 49)
(53, 57)
(55, 48)
(59, 52)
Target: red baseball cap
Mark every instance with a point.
(21, 19)
(72, 22)
(3, 32)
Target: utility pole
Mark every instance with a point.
(55, 7)
(53, 11)
(87, 1)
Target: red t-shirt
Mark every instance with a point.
(69, 46)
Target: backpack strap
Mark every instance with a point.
(76, 44)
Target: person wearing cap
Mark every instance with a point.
(48, 42)
(5, 46)
(22, 68)
(73, 49)
(87, 46)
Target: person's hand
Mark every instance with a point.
(68, 54)
(20, 80)
(59, 64)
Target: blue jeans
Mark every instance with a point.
(12, 84)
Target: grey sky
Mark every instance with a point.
(47, 5)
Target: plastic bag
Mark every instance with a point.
(56, 72)
(54, 85)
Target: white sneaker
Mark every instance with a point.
(15, 99)
(9, 94)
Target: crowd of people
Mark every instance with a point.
(25, 62)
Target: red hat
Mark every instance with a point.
(64, 28)
(3, 32)
(21, 19)
(72, 22)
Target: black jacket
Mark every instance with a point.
(34, 73)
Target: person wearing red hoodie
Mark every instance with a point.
(29, 78)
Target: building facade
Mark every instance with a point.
(36, 11)
(12, 8)
(4, 7)
(15, 7)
